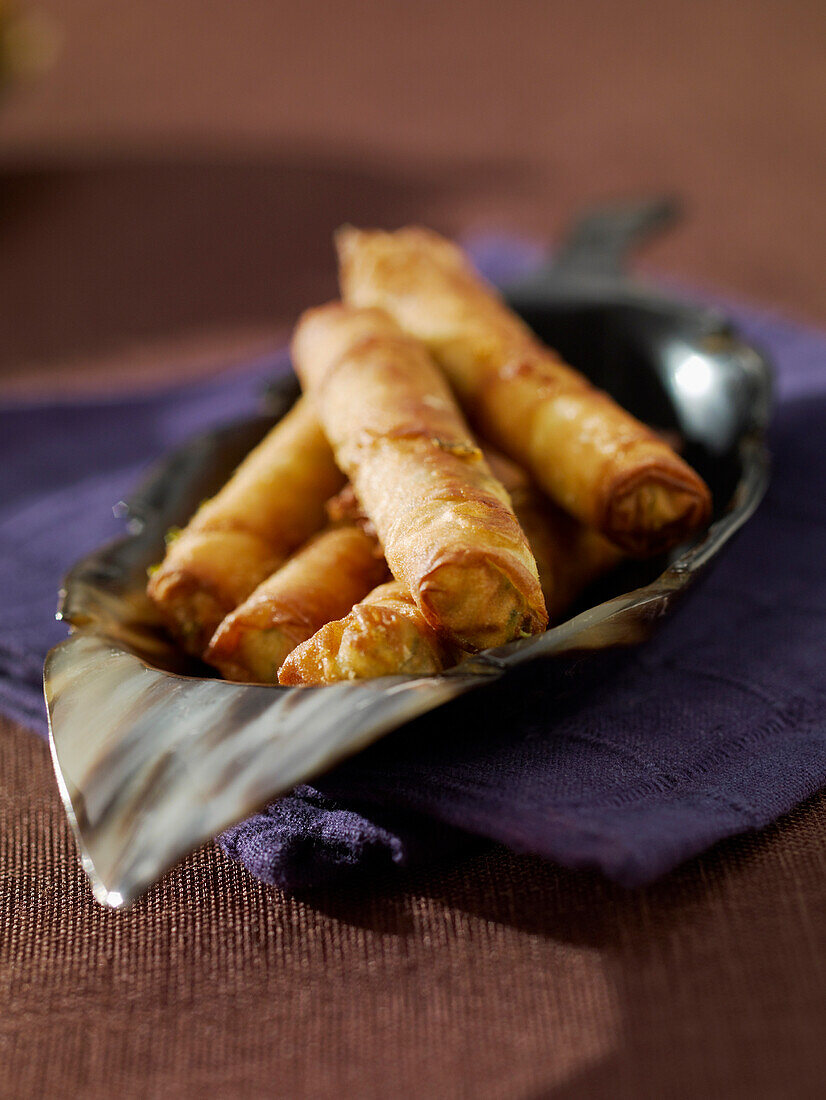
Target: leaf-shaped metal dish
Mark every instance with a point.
(153, 755)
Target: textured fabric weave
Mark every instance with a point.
(716, 726)
(497, 976)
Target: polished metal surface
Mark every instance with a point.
(154, 756)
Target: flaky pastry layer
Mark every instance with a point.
(320, 582)
(272, 503)
(595, 459)
(445, 523)
(383, 635)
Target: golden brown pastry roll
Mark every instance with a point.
(272, 503)
(595, 459)
(320, 582)
(444, 522)
(384, 635)
(569, 555)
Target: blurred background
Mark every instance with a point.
(170, 173)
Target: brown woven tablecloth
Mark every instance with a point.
(501, 976)
(166, 196)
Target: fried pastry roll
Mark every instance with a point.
(569, 556)
(595, 459)
(384, 635)
(272, 503)
(320, 582)
(445, 523)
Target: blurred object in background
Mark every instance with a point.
(115, 250)
(29, 42)
(178, 169)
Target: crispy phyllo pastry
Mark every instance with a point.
(569, 556)
(272, 503)
(384, 635)
(320, 582)
(596, 460)
(445, 523)
(345, 507)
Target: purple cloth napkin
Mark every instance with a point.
(716, 726)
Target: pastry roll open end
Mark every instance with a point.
(320, 582)
(652, 508)
(482, 604)
(384, 635)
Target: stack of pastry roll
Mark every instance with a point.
(321, 582)
(386, 633)
(436, 549)
(273, 502)
(444, 521)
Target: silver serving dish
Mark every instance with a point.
(153, 755)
